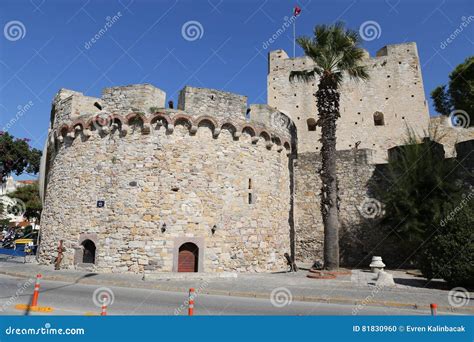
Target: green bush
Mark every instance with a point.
(418, 186)
(428, 211)
(16, 156)
(449, 253)
(29, 195)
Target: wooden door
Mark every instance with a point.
(188, 258)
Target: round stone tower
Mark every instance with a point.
(130, 186)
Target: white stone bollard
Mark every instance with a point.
(377, 265)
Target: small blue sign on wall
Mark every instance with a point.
(100, 204)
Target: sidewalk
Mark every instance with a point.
(356, 289)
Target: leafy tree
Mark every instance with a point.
(441, 100)
(4, 223)
(420, 183)
(459, 95)
(449, 254)
(337, 54)
(16, 156)
(29, 195)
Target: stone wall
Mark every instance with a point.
(361, 232)
(69, 105)
(448, 135)
(132, 98)
(395, 89)
(354, 169)
(229, 106)
(178, 170)
(203, 101)
(265, 116)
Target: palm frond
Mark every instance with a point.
(354, 37)
(358, 72)
(321, 35)
(314, 51)
(303, 75)
(335, 51)
(310, 49)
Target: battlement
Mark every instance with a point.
(198, 101)
(135, 97)
(448, 135)
(145, 98)
(279, 60)
(120, 104)
(69, 105)
(403, 50)
(120, 126)
(374, 113)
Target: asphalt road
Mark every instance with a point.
(77, 299)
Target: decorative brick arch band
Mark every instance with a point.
(79, 127)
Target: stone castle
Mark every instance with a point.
(216, 185)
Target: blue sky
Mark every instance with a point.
(145, 44)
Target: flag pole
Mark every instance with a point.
(294, 37)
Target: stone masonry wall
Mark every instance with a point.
(69, 105)
(395, 89)
(202, 101)
(361, 233)
(188, 172)
(354, 171)
(132, 98)
(266, 116)
(449, 136)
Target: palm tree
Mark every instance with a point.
(336, 53)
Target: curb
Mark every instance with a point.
(260, 295)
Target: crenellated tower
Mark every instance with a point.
(375, 114)
(134, 186)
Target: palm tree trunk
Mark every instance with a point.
(328, 108)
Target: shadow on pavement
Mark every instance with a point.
(88, 275)
(428, 284)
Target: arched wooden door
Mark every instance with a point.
(188, 257)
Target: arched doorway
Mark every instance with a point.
(88, 256)
(188, 257)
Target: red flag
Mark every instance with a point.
(296, 11)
